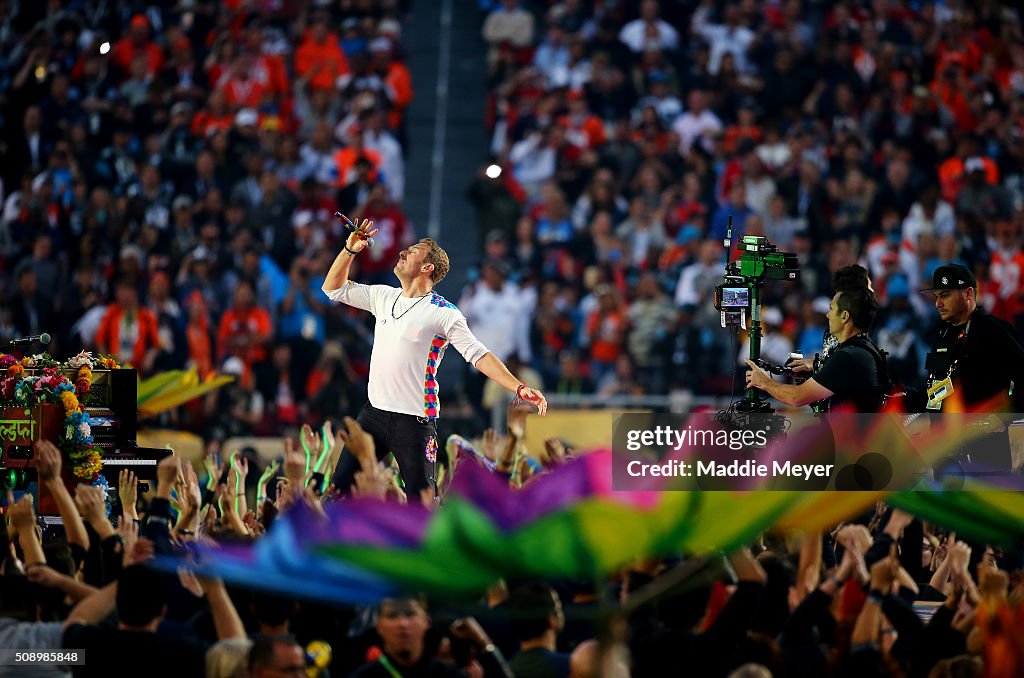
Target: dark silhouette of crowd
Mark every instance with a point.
(882, 594)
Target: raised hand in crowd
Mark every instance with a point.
(142, 551)
(89, 500)
(236, 478)
(898, 521)
(44, 575)
(128, 494)
(190, 501)
(252, 524)
(261, 485)
(557, 453)
(489, 444)
(21, 528)
(312, 445)
(294, 467)
(128, 530)
(167, 472)
(190, 582)
(360, 443)
(49, 462)
(371, 483)
(228, 512)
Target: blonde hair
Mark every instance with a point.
(228, 658)
(439, 258)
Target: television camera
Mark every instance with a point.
(738, 300)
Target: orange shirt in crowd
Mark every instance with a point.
(399, 84)
(244, 92)
(142, 336)
(125, 51)
(1008, 272)
(327, 55)
(952, 177)
(590, 127)
(345, 159)
(605, 331)
(254, 322)
(197, 333)
(734, 134)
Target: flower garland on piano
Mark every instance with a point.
(52, 386)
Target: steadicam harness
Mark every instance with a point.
(881, 369)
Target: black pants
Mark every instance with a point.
(405, 435)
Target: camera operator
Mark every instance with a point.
(978, 356)
(854, 377)
(847, 276)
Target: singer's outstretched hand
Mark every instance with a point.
(357, 241)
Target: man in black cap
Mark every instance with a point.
(977, 355)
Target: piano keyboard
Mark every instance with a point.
(129, 462)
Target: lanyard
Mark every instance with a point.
(389, 667)
(961, 340)
(963, 335)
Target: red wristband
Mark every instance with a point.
(519, 391)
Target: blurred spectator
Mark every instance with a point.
(652, 321)
(648, 32)
(393, 235)
(508, 26)
(604, 332)
(318, 59)
(129, 332)
(245, 329)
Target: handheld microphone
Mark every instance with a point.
(354, 228)
(43, 338)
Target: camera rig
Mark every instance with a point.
(738, 298)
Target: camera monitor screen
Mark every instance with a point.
(735, 297)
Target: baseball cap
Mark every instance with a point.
(974, 164)
(498, 265)
(952, 277)
(246, 116)
(772, 316)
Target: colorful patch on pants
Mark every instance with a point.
(431, 450)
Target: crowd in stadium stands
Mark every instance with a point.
(170, 176)
(169, 179)
(888, 133)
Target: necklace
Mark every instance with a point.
(394, 317)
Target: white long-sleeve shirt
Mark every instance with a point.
(501, 318)
(409, 341)
(634, 36)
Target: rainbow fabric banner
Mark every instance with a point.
(565, 524)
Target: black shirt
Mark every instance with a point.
(110, 652)
(540, 663)
(425, 668)
(989, 355)
(852, 374)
